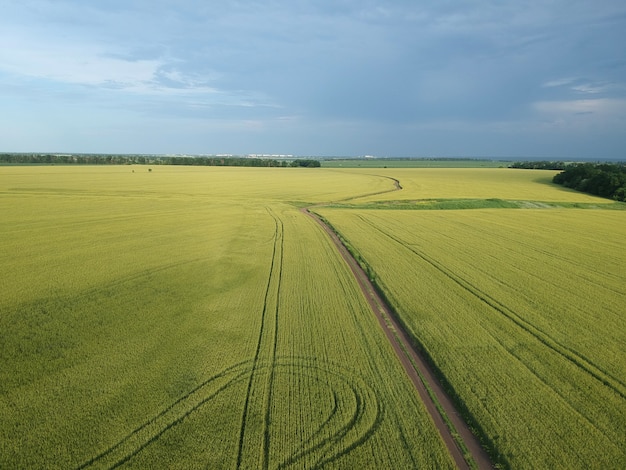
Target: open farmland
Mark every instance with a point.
(522, 310)
(422, 185)
(190, 317)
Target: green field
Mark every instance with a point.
(191, 318)
(522, 310)
(195, 318)
(420, 184)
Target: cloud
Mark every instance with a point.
(589, 88)
(73, 63)
(583, 86)
(559, 82)
(108, 75)
(601, 121)
(602, 106)
(373, 67)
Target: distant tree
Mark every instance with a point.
(307, 163)
(539, 165)
(95, 159)
(604, 180)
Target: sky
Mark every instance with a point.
(403, 78)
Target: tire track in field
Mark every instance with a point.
(270, 380)
(546, 280)
(530, 247)
(353, 418)
(141, 437)
(355, 412)
(562, 350)
(396, 187)
(512, 316)
(462, 444)
(268, 333)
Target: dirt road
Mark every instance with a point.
(417, 369)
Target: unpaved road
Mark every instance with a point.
(415, 365)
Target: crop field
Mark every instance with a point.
(521, 310)
(192, 317)
(411, 163)
(423, 185)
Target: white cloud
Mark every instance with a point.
(603, 107)
(558, 82)
(466, 67)
(589, 88)
(69, 63)
(105, 68)
(583, 86)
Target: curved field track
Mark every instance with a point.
(339, 432)
(195, 323)
(456, 434)
(352, 415)
(256, 412)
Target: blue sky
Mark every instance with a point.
(399, 78)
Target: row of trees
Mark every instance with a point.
(539, 165)
(96, 159)
(307, 163)
(65, 159)
(604, 180)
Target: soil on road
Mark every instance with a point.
(417, 368)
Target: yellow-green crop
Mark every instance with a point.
(188, 317)
(521, 310)
(474, 183)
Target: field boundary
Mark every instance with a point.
(440, 204)
(462, 444)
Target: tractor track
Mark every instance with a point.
(455, 433)
(268, 333)
(338, 434)
(355, 414)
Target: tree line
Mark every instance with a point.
(603, 179)
(539, 165)
(98, 159)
